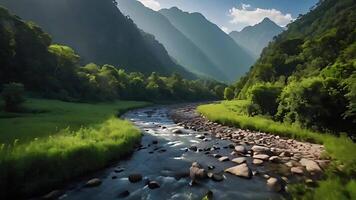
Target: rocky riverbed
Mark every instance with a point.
(184, 156)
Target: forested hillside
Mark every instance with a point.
(256, 38)
(49, 70)
(216, 44)
(98, 32)
(308, 74)
(177, 44)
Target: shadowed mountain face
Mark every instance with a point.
(98, 32)
(217, 45)
(255, 38)
(177, 44)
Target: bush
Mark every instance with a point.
(13, 95)
(229, 93)
(264, 96)
(317, 103)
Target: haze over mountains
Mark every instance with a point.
(255, 38)
(98, 32)
(216, 44)
(177, 44)
(181, 42)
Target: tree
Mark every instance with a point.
(229, 93)
(13, 95)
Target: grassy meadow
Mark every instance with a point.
(341, 173)
(48, 117)
(60, 142)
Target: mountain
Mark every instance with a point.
(216, 44)
(177, 44)
(313, 66)
(255, 38)
(99, 32)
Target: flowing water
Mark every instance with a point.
(168, 163)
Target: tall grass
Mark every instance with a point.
(341, 149)
(48, 117)
(44, 163)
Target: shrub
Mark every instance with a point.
(229, 93)
(264, 96)
(317, 103)
(13, 95)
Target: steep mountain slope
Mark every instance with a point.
(97, 31)
(255, 38)
(216, 44)
(178, 45)
(314, 64)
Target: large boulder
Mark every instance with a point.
(93, 182)
(310, 165)
(261, 149)
(240, 149)
(240, 170)
(197, 172)
(261, 156)
(274, 184)
(239, 160)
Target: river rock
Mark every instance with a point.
(310, 165)
(217, 177)
(134, 178)
(153, 185)
(297, 170)
(197, 172)
(274, 184)
(55, 194)
(261, 149)
(240, 170)
(274, 159)
(239, 160)
(224, 159)
(240, 149)
(193, 148)
(177, 131)
(93, 182)
(261, 156)
(257, 162)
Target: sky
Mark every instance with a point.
(234, 15)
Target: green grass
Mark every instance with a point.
(94, 140)
(53, 115)
(341, 149)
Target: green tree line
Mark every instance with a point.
(28, 57)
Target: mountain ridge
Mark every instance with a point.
(255, 38)
(215, 43)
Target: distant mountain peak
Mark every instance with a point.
(255, 38)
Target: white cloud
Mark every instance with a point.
(153, 4)
(225, 29)
(246, 15)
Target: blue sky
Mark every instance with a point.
(233, 15)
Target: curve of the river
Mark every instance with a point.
(168, 163)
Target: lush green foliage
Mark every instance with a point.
(13, 96)
(265, 97)
(340, 149)
(41, 148)
(44, 163)
(54, 71)
(228, 93)
(314, 61)
(47, 117)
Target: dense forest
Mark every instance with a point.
(54, 71)
(307, 75)
(99, 32)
